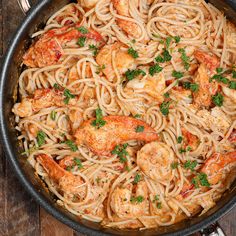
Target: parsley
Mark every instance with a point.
(68, 96)
(133, 41)
(168, 41)
(219, 70)
(137, 178)
(69, 168)
(41, 138)
(166, 95)
(56, 86)
(174, 165)
(137, 116)
(94, 49)
(190, 165)
(83, 30)
(232, 84)
(182, 150)
(133, 53)
(131, 74)
(189, 149)
(201, 178)
(100, 68)
(192, 86)
(234, 74)
(195, 182)
(139, 129)
(156, 198)
(98, 122)
(179, 139)
(219, 78)
(218, 99)
(185, 58)
(159, 59)
(120, 151)
(155, 69)
(177, 39)
(159, 206)
(53, 115)
(71, 145)
(177, 74)
(164, 108)
(78, 163)
(166, 55)
(137, 199)
(81, 41)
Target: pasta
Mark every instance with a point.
(127, 109)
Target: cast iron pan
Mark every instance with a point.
(11, 68)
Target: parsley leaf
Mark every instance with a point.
(131, 74)
(120, 151)
(94, 49)
(160, 59)
(185, 58)
(133, 53)
(219, 78)
(68, 96)
(203, 179)
(234, 74)
(137, 199)
(177, 39)
(168, 41)
(177, 74)
(159, 205)
(53, 115)
(41, 138)
(98, 122)
(232, 84)
(219, 70)
(139, 129)
(81, 41)
(83, 30)
(190, 165)
(78, 163)
(166, 95)
(155, 69)
(179, 139)
(192, 86)
(137, 178)
(174, 165)
(166, 55)
(137, 116)
(56, 86)
(71, 145)
(164, 108)
(218, 99)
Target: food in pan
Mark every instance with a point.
(127, 109)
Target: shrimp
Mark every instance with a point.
(117, 130)
(131, 28)
(122, 60)
(209, 59)
(155, 160)
(190, 140)
(67, 182)
(203, 97)
(126, 206)
(42, 98)
(152, 85)
(49, 48)
(88, 3)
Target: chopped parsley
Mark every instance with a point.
(159, 205)
(137, 116)
(174, 165)
(71, 145)
(164, 57)
(160, 59)
(190, 165)
(166, 95)
(81, 41)
(78, 163)
(53, 115)
(41, 138)
(137, 199)
(155, 69)
(98, 122)
(133, 53)
(179, 139)
(56, 86)
(94, 49)
(139, 129)
(182, 150)
(234, 74)
(220, 78)
(68, 96)
(218, 99)
(168, 41)
(131, 74)
(137, 178)
(83, 30)
(177, 39)
(156, 197)
(232, 84)
(201, 178)
(164, 108)
(177, 74)
(219, 70)
(121, 152)
(185, 58)
(192, 86)
(100, 68)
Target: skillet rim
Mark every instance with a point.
(40, 199)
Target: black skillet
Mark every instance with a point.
(11, 68)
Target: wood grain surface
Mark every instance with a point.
(19, 214)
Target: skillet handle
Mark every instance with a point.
(212, 230)
(24, 5)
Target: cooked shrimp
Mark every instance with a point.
(124, 204)
(117, 130)
(131, 28)
(155, 160)
(190, 140)
(88, 3)
(209, 59)
(49, 48)
(73, 73)
(203, 97)
(122, 60)
(43, 98)
(67, 182)
(152, 85)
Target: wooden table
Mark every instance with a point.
(19, 214)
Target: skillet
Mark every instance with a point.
(11, 68)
